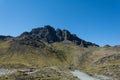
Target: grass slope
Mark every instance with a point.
(100, 60)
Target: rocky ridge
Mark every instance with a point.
(4, 37)
(50, 35)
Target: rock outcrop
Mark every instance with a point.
(4, 37)
(108, 59)
(50, 35)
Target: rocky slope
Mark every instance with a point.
(50, 35)
(105, 61)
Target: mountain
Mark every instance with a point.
(50, 35)
(46, 47)
(39, 46)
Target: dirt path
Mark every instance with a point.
(84, 76)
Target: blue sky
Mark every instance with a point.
(97, 21)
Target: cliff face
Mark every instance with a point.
(50, 35)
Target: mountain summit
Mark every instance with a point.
(50, 35)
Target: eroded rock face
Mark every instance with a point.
(46, 33)
(59, 34)
(50, 35)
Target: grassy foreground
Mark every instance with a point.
(93, 60)
(51, 73)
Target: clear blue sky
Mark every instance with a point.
(97, 21)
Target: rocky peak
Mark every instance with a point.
(59, 34)
(50, 35)
(46, 33)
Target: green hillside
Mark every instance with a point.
(66, 52)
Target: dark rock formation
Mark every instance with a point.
(59, 34)
(47, 33)
(4, 37)
(50, 35)
(107, 46)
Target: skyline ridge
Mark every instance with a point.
(25, 32)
